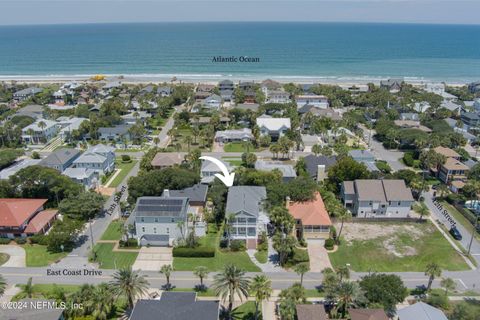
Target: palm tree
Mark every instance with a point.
(181, 226)
(166, 270)
(130, 284)
(201, 272)
(3, 285)
(349, 295)
(188, 140)
(421, 209)
(343, 273)
(432, 270)
(301, 269)
(42, 125)
(448, 284)
(230, 282)
(261, 289)
(316, 149)
(442, 189)
(156, 140)
(102, 302)
(27, 289)
(343, 214)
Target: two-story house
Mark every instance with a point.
(210, 169)
(245, 211)
(377, 198)
(41, 131)
(453, 169)
(277, 96)
(212, 102)
(100, 158)
(116, 133)
(318, 101)
(25, 94)
(60, 159)
(274, 127)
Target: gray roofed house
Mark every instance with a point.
(226, 95)
(421, 311)
(365, 157)
(165, 91)
(317, 166)
(244, 134)
(377, 198)
(26, 93)
(114, 133)
(197, 194)
(60, 159)
(226, 85)
(34, 111)
(248, 106)
(100, 158)
(34, 309)
(87, 177)
(209, 169)
(311, 312)
(287, 170)
(392, 85)
(176, 306)
(214, 101)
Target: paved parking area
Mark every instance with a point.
(153, 258)
(17, 256)
(318, 256)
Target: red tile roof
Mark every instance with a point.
(14, 212)
(40, 221)
(311, 212)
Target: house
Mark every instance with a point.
(250, 96)
(164, 91)
(421, 107)
(41, 131)
(89, 178)
(34, 111)
(311, 218)
(367, 314)
(318, 101)
(311, 312)
(245, 203)
(34, 309)
(210, 169)
(133, 117)
(447, 152)
(248, 106)
(421, 311)
(377, 198)
(246, 85)
(270, 84)
(60, 159)
(17, 166)
(225, 136)
(59, 97)
(167, 159)
(277, 96)
(226, 95)
(412, 124)
(474, 87)
(226, 85)
(317, 166)
(24, 217)
(452, 170)
(287, 170)
(470, 119)
(205, 88)
(325, 113)
(176, 306)
(274, 127)
(157, 219)
(69, 125)
(100, 158)
(196, 194)
(392, 85)
(26, 93)
(212, 102)
(362, 155)
(451, 106)
(116, 133)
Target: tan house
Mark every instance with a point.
(167, 159)
(453, 170)
(367, 314)
(311, 312)
(312, 220)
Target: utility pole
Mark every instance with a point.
(473, 234)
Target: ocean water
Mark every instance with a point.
(289, 50)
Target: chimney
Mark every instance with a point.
(166, 193)
(321, 175)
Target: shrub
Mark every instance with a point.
(262, 246)
(300, 256)
(199, 252)
(20, 240)
(35, 155)
(132, 242)
(38, 239)
(126, 158)
(333, 232)
(302, 242)
(439, 300)
(238, 245)
(408, 159)
(329, 244)
(454, 198)
(5, 240)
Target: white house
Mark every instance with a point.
(276, 96)
(213, 102)
(275, 127)
(41, 131)
(209, 169)
(100, 158)
(245, 203)
(87, 177)
(318, 101)
(244, 134)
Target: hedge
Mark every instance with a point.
(329, 244)
(198, 252)
(5, 240)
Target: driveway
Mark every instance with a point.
(153, 258)
(17, 256)
(318, 255)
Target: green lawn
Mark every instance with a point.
(113, 260)
(125, 168)
(3, 258)
(114, 230)
(372, 255)
(262, 256)
(246, 311)
(460, 218)
(39, 256)
(233, 161)
(208, 293)
(240, 259)
(238, 147)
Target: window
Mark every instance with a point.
(251, 232)
(154, 230)
(241, 220)
(252, 220)
(156, 219)
(142, 219)
(168, 230)
(242, 231)
(370, 203)
(173, 220)
(399, 202)
(143, 229)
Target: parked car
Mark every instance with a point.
(455, 233)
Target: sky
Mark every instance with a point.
(21, 12)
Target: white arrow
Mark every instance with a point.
(227, 177)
